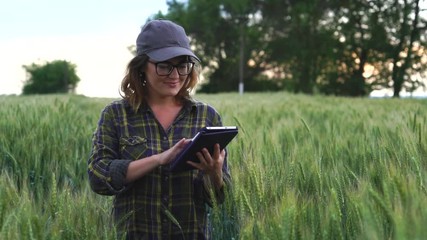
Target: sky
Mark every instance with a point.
(92, 34)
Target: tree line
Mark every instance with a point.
(333, 47)
(339, 47)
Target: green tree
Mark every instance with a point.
(409, 30)
(360, 40)
(224, 33)
(58, 76)
(378, 44)
(299, 40)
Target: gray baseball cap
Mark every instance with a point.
(162, 40)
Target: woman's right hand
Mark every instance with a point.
(140, 167)
(170, 154)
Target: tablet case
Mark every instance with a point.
(207, 137)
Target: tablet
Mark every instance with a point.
(207, 137)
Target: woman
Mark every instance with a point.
(139, 135)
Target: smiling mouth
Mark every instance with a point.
(175, 83)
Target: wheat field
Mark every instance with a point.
(303, 167)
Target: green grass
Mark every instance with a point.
(303, 168)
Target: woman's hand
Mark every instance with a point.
(140, 167)
(170, 154)
(211, 165)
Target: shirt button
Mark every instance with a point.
(165, 138)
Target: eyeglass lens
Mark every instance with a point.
(165, 68)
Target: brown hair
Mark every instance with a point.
(135, 93)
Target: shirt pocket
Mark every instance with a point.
(133, 147)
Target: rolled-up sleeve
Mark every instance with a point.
(107, 172)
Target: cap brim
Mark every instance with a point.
(163, 54)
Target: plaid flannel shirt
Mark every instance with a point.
(162, 204)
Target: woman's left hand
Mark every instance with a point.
(211, 165)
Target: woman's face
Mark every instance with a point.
(163, 86)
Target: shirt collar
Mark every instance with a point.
(189, 105)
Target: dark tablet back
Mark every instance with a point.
(205, 138)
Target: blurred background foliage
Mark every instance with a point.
(333, 47)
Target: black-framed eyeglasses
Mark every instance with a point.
(166, 68)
